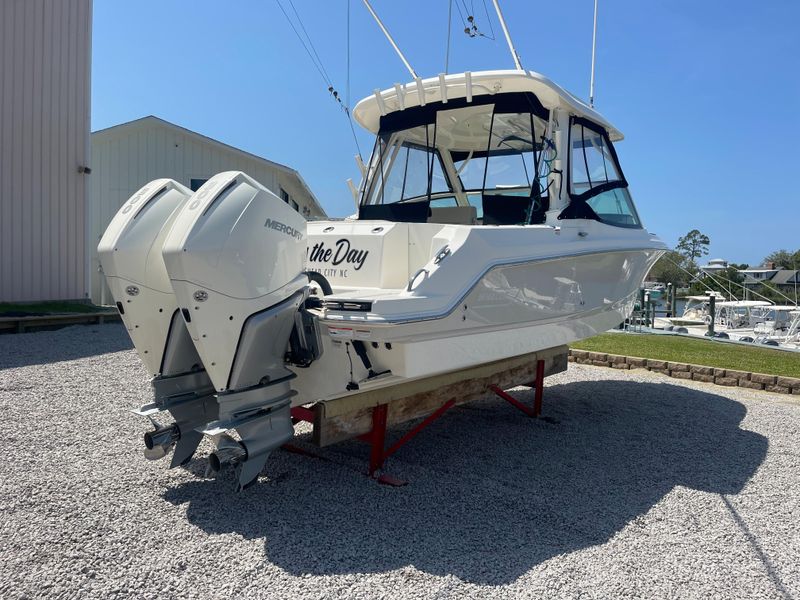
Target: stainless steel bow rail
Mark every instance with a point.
(368, 415)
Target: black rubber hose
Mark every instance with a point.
(320, 280)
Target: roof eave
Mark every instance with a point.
(227, 147)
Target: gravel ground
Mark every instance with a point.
(634, 485)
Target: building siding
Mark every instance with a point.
(127, 156)
(45, 48)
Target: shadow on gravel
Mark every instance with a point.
(492, 493)
(42, 347)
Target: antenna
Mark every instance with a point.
(514, 54)
(594, 45)
(389, 37)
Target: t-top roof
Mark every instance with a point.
(467, 85)
(784, 307)
(743, 304)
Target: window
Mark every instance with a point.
(615, 207)
(407, 163)
(462, 154)
(288, 199)
(510, 164)
(591, 162)
(196, 184)
(597, 188)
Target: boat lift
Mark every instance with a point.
(367, 415)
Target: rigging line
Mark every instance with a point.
(299, 37)
(299, 20)
(353, 130)
(469, 28)
(347, 90)
(714, 279)
(463, 22)
(488, 18)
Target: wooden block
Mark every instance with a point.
(349, 416)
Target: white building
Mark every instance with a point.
(714, 266)
(127, 156)
(44, 148)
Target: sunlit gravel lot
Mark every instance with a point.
(634, 485)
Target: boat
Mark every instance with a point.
(493, 220)
(696, 312)
(779, 325)
(655, 291)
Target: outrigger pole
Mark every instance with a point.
(391, 40)
(514, 54)
(594, 45)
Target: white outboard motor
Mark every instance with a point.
(235, 257)
(130, 254)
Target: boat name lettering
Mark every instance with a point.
(343, 252)
(283, 228)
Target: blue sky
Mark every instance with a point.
(707, 93)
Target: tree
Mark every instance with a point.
(728, 282)
(784, 259)
(769, 291)
(669, 269)
(693, 245)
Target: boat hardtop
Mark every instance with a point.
(466, 87)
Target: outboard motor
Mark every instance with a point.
(235, 258)
(130, 254)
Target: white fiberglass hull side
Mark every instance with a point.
(512, 310)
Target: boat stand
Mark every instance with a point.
(379, 417)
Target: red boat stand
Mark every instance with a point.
(376, 437)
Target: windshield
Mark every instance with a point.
(474, 154)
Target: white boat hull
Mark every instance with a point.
(512, 310)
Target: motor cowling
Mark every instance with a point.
(130, 254)
(237, 250)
